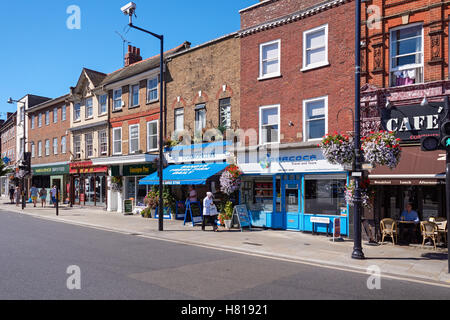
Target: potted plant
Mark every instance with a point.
(116, 184)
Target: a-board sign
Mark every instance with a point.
(81, 197)
(337, 228)
(167, 213)
(180, 210)
(128, 206)
(243, 216)
(193, 213)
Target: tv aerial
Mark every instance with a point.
(125, 42)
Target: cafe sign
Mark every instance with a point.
(412, 122)
(49, 171)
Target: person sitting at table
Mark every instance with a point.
(409, 215)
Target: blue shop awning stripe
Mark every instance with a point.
(185, 174)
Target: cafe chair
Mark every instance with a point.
(442, 230)
(429, 230)
(389, 228)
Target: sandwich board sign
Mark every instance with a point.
(193, 213)
(242, 215)
(128, 207)
(337, 229)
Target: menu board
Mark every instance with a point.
(128, 206)
(243, 216)
(194, 213)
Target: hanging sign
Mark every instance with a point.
(242, 215)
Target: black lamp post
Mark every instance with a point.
(357, 172)
(129, 10)
(11, 101)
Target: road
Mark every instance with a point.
(35, 255)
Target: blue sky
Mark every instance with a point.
(40, 55)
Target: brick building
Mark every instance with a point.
(133, 115)
(203, 101)
(404, 81)
(8, 150)
(49, 144)
(297, 84)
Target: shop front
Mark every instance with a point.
(287, 190)
(88, 184)
(49, 175)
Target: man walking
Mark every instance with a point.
(34, 194)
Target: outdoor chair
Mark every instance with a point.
(429, 230)
(442, 230)
(389, 228)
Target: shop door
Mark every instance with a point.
(291, 203)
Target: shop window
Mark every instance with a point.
(324, 194)
(406, 44)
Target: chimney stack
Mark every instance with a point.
(133, 56)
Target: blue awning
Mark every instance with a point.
(185, 174)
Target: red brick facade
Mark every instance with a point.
(294, 86)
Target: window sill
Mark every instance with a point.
(117, 110)
(273, 76)
(152, 101)
(90, 118)
(316, 66)
(77, 121)
(134, 107)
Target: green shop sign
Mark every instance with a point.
(50, 171)
(138, 170)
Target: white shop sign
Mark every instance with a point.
(286, 161)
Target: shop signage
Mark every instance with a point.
(216, 151)
(138, 170)
(48, 171)
(86, 167)
(412, 122)
(241, 214)
(286, 161)
(407, 182)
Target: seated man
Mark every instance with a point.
(410, 215)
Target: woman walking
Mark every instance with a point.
(43, 196)
(209, 212)
(17, 196)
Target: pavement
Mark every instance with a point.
(410, 263)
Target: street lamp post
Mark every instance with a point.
(357, 172)
(11, 101)
(129, 10)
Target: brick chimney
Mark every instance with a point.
(133, 56)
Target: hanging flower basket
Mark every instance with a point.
(230, 180)
(338, 149)
(366, 195)
(381, 148)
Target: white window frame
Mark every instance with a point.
(91, 134)
(40, 120)
(77, 145)
(261, 109)
(117, 99)
(261, 62)
(305, 125)
(39, 149)
(63, 113)
(33, 150)
(221, 118)
(175, 120)
(305, 49)
(100, 104)
(32, 121)
(91, 108)
(55, 146)
(75, 118)
(100, 133)
(148, 135)
(153, 89)
(115, 152)
(63, 145)
(47, 117)
(408, 66)
(55, 115)
(47, 147)
(133, 126)
(135, 105)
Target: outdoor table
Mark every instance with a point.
(407, 224)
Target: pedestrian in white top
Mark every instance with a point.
(209, 212)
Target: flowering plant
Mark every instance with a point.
(337, 148)
(364, 191)
(116, 184)
(230, 180)
(381, 148)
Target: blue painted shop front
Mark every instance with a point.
(289, 201)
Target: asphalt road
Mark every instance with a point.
(35, 256)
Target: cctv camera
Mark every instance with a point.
(129, 8)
